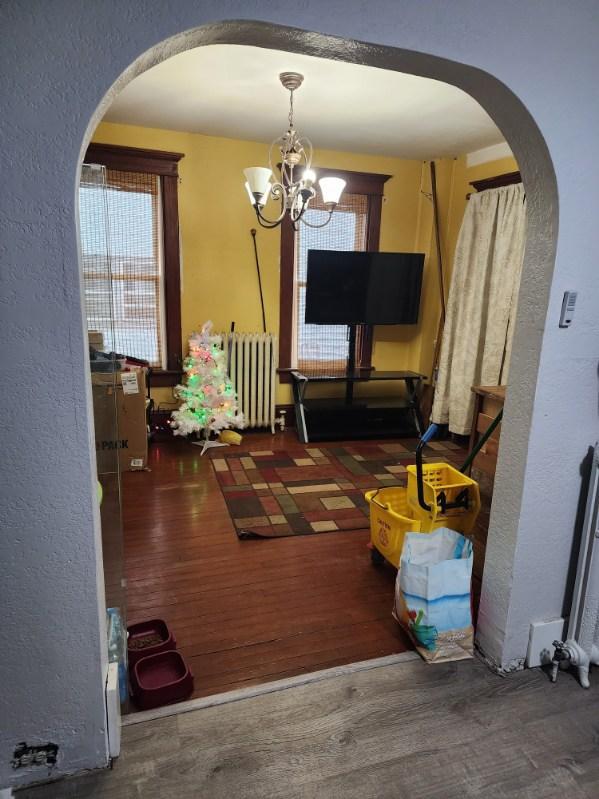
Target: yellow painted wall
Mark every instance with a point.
(491, 168)
(430, 307)
(218, 271)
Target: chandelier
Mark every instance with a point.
(294, 192)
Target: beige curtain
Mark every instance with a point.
(482, 301)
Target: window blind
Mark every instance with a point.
(324, 349)
(124, 219)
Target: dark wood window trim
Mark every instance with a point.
(165, 164)
(134, 159)
(373, 186)
(496, 182)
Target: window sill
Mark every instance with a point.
(164, 377)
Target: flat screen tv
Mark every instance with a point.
(363, 288)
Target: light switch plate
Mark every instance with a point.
(568, 305)
(540, 641)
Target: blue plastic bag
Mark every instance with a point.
(433, 594)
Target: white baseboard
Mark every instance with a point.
(540, 641)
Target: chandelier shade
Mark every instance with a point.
(331, 190)
(258, 179)
(294, 194)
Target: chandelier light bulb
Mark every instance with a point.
(309, 177)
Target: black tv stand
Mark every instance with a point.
(351, 364)
(349, 417)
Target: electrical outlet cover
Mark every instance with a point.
(540, 641)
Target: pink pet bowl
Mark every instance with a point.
(148, 638)
(160, 679)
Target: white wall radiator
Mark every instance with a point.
(253, 362)
(581, 647)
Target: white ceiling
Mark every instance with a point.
(234, 91)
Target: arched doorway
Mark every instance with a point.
(528, 146)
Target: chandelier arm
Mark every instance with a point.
(270, 149)
(310, 224)
(277, 190)
(295, 217)
(265, 222)
(304, 207)
(307, 150)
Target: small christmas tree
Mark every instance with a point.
(209, 399)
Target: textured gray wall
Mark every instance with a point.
(59, 61)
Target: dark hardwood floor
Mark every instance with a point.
(246, 612)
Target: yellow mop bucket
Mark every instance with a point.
(440, 495)
(389, 522)
(451, 499)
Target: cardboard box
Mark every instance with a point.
(120, 420)
(96, 340)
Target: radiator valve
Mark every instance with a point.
(570, 653)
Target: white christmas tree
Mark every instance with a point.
(209, 402)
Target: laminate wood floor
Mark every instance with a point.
(409, 731)
(246, 612)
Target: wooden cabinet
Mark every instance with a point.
(488, 402)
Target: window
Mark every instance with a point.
(355, 225)
(131, 319)
(318, 348)
(140, 311)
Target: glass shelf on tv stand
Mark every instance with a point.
(358, 417)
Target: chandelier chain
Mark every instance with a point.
(290, 116)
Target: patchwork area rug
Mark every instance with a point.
(305, 490)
